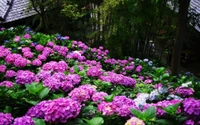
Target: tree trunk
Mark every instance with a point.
(183, 10)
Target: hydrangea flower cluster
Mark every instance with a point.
(123, 105)
(25, 120)
(56, 111)
(138, 68)
(184, 91)
(25, 77)
(36, 62)
(60, 66)
(4, 52)
(134, 121)
(7, 84)
(2, 68)
(94, 71)
(76, 55)
(82, 93)
(10, 73)
(74, 78)
(118, 79)
(5, 119)
(106, 108)
(192, 108)
(56, 81)
(42, 75)
(39, 47)
(99, 96)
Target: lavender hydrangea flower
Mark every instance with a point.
(5, 119)
(25, 120)
(16, 39)
(106, 108)
(25, 77)
(138, 68)
(99, 96)
(61, 66)
(28, 54)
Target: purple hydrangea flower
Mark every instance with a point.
(74, 78)
(61, 66)
(106, 108)
(27, 36)
(39, 47)
(138, 68)
(20, 62)
(25, 77)
(189, 122)
(123, 105)
(192, 107)
(16, 39)
(42, 57)
(50, 44)
(5, 119)
(8, 84)
(2, 68)
(99, 96)
(185, 92)
(94, 71)
(42, 75)
(26, 49)
(36, 62)
(10, 73)
(25, 120)
(56, 111)
(28, 54)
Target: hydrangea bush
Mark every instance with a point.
(50, 79)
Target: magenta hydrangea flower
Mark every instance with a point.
(11, 58)
(50, 65)
(99, 96)
(192, 107)
(61, 66)
(27, 36)
(138, 68)
(36, 62)
(42, 57)
(4, 51)
(184, 92)
(7, 84)
(75, 79)
(106, 108)
(50, 44)
(25, 120)
(2, 68)
(123, 105)
(56, 111)
(10, 73)
(26, 49)
(39, 47)
(189, 122)
(148, 81)
(16, 39)
(28, 54)
(94, 71)
(5, 119)
(42, 75)
(20, 62)
(25, 77)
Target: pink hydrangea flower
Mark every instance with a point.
(17, 39)
(27, 36)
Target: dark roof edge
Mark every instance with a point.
(8, 10)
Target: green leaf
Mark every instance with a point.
(109, 98)
(30, 101)
(44, 93)
(76, 69)
(149, 113)
(95, 121)
(7, 109)
(137, 113)
(164, 122)
(171, 109)
(39, 121)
